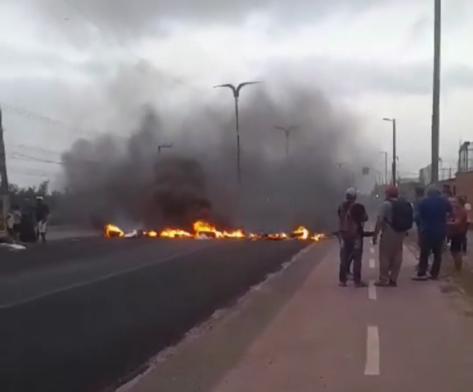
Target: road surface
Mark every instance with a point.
(301, 332)
(83, 314)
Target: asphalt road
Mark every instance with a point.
(82, 314)
(301, 332)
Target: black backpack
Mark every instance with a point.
(402, 217)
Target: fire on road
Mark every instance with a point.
(205, 230)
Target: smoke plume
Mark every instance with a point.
(127, 181)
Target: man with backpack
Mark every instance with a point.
(351, 216)
(395, 218)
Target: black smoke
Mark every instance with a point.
(126, 180)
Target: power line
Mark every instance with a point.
(36, 148)
(26, 113)
(20, 156)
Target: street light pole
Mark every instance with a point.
(393, 121)
(287, 133)
(236, 95)
(4, 194)
(436, 92)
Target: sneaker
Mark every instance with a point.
(420, 278)
(361, 284)
(343, 284)
(380, 283)
(432, 277)
(392, 283)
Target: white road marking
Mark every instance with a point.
(372, 263)
(372, 250)
(372, 367)
(372, 295)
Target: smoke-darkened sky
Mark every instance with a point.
(75, 68)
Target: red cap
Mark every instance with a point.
(391, 191)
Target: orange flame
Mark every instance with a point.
(175, 233)
(112, 231)
(205, 230)
(236, 234)
(301, 233)
(152, 234)
(318, 237)
(278, 236)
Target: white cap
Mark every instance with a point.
(351, 193)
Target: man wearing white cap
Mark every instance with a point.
(42, 216)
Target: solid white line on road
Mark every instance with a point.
(372, 250)
(372, 263)
(372, 295)
(372, 352)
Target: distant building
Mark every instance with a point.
(446, 174)
(464, 179)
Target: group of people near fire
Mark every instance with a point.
(438, 217)
(28, 224)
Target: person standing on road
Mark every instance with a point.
(14, 222)
(457, 231)
(434, 212)
(395, 218)
(420, 194)
(42, 216)
(352, 216)
(468, 209)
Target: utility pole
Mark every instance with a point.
(4, 194)
(236, 95)
(436, 90)
(287, 132)
(394, 164)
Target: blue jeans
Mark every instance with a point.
(351, 249)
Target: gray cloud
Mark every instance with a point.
(359, 77)
(130, 19)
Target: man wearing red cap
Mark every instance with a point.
(394, 220)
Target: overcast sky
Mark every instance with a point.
(66, 60)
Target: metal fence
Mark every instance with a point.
(465, 158)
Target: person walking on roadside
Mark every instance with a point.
(42, 216)
(395, 218)
(457, 231)
(352, 216)
(434, 212)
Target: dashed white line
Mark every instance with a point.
(372, 367)
(372, 263)
(372, 295)
(372, 250)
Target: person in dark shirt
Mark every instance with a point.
(42, 216)
(434, 212)
(352, 216)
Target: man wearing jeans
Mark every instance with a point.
(434, 212)
(352, 216)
